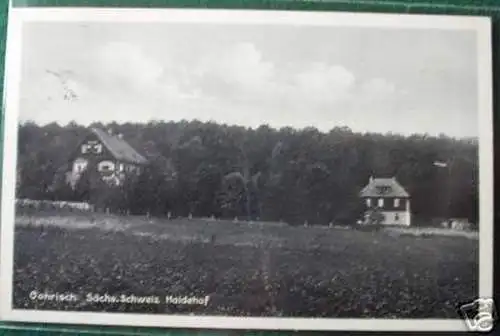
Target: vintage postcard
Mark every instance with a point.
(247, 169)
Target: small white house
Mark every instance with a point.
(390, 198)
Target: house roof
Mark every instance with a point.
(383, 187)
(119, 148)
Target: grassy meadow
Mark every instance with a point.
(248, 269)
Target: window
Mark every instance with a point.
(382, 190)
(368, 202)
(380, 202)
(97, 149)
(79, 165)
(396, 202)
(106, 166)
(396, 217)
(92, 147)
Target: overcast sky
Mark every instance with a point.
(402, 81)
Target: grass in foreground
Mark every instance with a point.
(246, 270)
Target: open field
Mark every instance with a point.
(245, 269)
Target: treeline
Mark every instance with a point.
(208, 169)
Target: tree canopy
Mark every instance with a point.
(295, 175)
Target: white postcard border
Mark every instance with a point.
(481, 25)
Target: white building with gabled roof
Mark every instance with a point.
(390, 198)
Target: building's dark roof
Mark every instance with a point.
(383, 187)
(119, 148)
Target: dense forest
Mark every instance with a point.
(297, 176)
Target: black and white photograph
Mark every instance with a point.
(246, 169)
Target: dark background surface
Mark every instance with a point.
(458, 7)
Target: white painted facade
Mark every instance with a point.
(398, 217)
